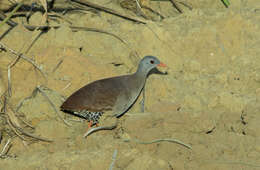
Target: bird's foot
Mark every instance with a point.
(90, 124)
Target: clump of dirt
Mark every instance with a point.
(209, 99)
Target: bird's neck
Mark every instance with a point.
(140, 78)
(141, 73)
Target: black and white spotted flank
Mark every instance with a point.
(90, 116)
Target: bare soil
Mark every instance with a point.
(209, 99)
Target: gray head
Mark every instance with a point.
(147, 64)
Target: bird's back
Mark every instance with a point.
(100, 95)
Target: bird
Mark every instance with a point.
(115, 94)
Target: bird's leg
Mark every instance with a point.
(90, 124)
(142, 101)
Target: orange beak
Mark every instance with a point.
(162, 65)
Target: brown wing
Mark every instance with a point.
(100, 95)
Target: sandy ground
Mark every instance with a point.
(209, 99)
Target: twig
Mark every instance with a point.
(23, 57)
(107, 10)
(97, 30)
(184, 4)
(176, 6)
(13, 122)
(35, 36)
(9, 84)
(113, 160)
(27, 98)
(53, 106)
(153, 11)
(10, 15)
(13, 128)
(11, 115)
(57, 66)
(138, 4)
(180, 2)
(45, 15)
(1, 137)
(33, 136)
(73, 28)
(69, 84)
(42, 27)
(5, 148)
(4, 103)
(12, 64)
(26, 123)
(9, 21)
(139, 9)
(60, 16)
(101, 128)
(38, 8)
(160, 140)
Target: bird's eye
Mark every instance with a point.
(151, 61)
